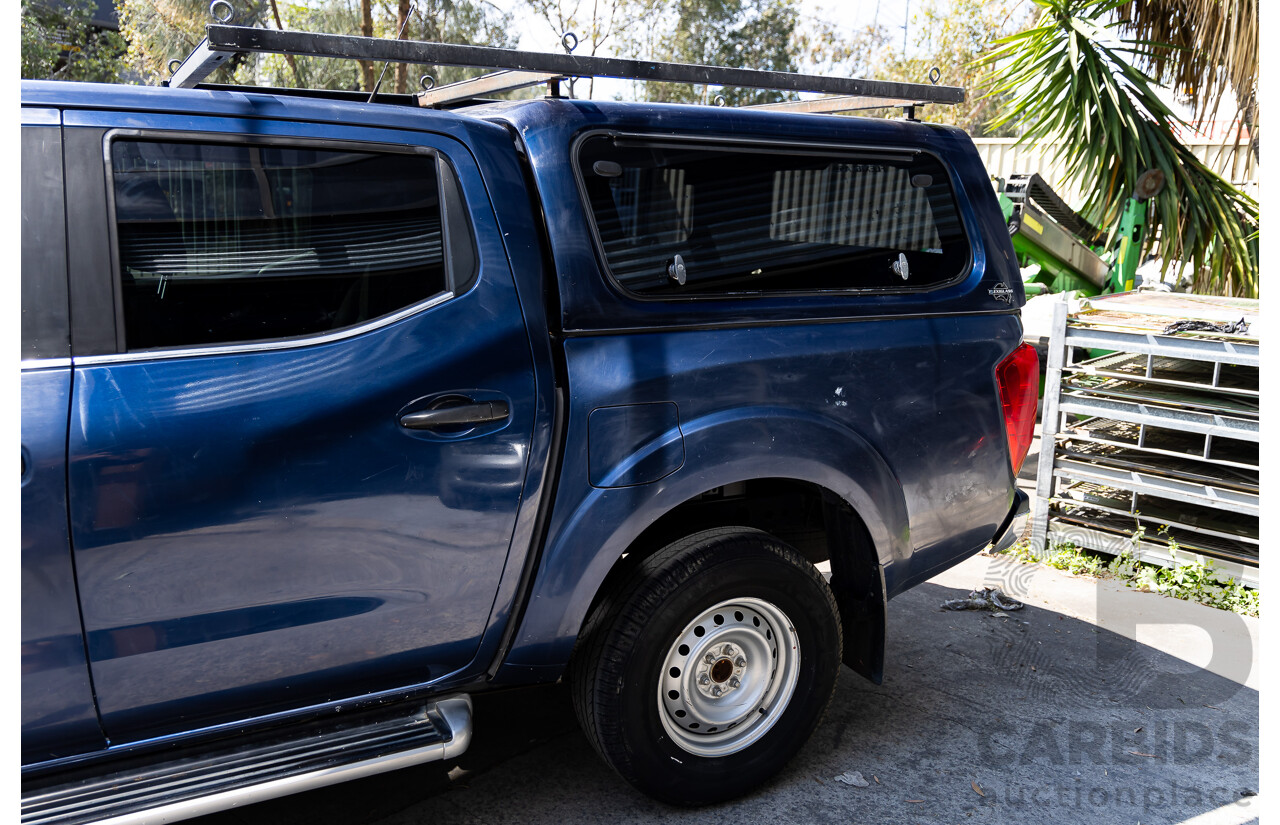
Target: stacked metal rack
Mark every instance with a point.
(1151, 437)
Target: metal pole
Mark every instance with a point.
(906, 21)
(1050, 423)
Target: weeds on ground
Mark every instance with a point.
(1072, 559)
(1191, 579)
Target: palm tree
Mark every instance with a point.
(1073, 83)
(1212, 46)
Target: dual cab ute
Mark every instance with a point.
(337, 412)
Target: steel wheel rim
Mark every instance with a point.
(728, 677)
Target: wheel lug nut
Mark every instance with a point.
(741, 661)
(728, 650)
(716, 691)
(734, 682)
(709, 658)
(704, 679)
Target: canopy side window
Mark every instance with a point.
(682, 220)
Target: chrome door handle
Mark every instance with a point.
(477, 412)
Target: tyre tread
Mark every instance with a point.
(613, 629)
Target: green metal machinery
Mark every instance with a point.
(1060, 251)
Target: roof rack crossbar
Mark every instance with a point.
(840, 103)
(503, 80)
(222, 41)
(198, 65)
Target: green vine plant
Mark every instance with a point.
(1191, 578)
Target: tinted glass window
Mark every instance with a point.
(225, 243)
(744, 220)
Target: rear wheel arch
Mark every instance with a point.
(821, 525)
(596, 530)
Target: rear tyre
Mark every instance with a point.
(711, 668)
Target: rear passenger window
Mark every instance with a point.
(225, 243)
(692, 219)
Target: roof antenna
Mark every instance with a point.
(412, 8)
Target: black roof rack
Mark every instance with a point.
(518, 69)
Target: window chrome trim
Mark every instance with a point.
(270, 345)
(31, 364)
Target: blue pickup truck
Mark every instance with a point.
(336, 413)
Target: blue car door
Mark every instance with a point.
(294, 476)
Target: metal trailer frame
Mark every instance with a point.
(1053, 468)
(519, 69)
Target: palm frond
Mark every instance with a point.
(1069, 88)
(1199, 47)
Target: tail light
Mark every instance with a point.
(1019, 378)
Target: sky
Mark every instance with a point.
(536, 35)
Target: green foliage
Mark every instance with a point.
(60, 42)
(1189, 579)
(459, 21)
(41, 46)
(313, 72)
(1212, 46)
(1069, 85)
(1193, 579)
(1075, 561)
(159, 31)
(162, 30)
(953, 36)
(1021, 551)
(756, 34)
(771, 35)
(447, 21)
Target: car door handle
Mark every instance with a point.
(476, 412)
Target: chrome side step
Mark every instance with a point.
(215, 780)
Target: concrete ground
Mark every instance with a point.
(1094, 704)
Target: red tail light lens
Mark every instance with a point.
(1019, 378)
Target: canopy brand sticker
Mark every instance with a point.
(1002, 292)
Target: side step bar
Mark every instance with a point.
(217, 779)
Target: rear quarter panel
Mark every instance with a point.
(888, 400)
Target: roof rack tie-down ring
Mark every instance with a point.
(935, 74)
(174, 65)
(428, 82)
(720, 101)
(222, 18)
(569, 41)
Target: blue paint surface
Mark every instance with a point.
(254, 533)
(58, 717)
(634, 444)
